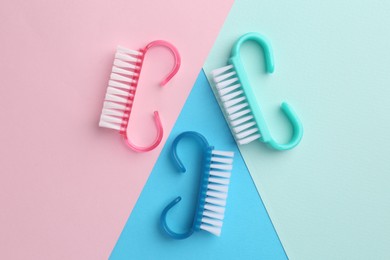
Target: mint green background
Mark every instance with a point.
(329, 197)
(247, 231)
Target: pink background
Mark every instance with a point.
(67, 186)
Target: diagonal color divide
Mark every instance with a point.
(67, 186)
(247, 231)
(328, 198)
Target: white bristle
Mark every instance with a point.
(240, 128)
(217, 190)
(239, 114)
(109, 125)
(126, 65)
(117, 84)
(222, 153)
(231, 95)
(219, 180)
(216, 201)
(249, 139)
(221, 188)
(216, 194)
(213, 208)
(111, 112)
(225, 91)
(224, 76)
(126, 57)
(110, 119)
(247, 133)
(123, 71)
(233, 102)
(219, 71)
(118, 77)
(241, 120)
(114, 98)
(236, 108)
(224, 84)
(220, 174)
(226, 167)
(116, 107)
(118, 92)
(112, 105)
(213, 215)
(213, 230)
(222, 160)
(128, 51)
(213, 222)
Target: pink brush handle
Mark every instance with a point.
(176, 56)
(156, 142)
(173, 72)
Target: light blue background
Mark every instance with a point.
(247, 232)
(328, 198)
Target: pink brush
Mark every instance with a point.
(122, 87)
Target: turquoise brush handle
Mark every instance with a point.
(266, 136)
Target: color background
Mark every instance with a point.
(329, 197)
(247, 231)
(68, 186)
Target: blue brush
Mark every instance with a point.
(213, 188)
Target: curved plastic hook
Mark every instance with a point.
(296, 126)
(163, 222)
(203, 142)
(157, 140)
(265, 46)
(157, 120)
(176, 56)
(287, 109)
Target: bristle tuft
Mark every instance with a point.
(212, 229)
(128, 51)
(234, 101)
(217, 189)
(219, 71)
(121, 89)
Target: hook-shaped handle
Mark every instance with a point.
(177, 63)
(201, 140)
(258, 116)
(156, 142)
(176, 56)
(296, 126)
(205, 145)
(164, 224)
(265, 46)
